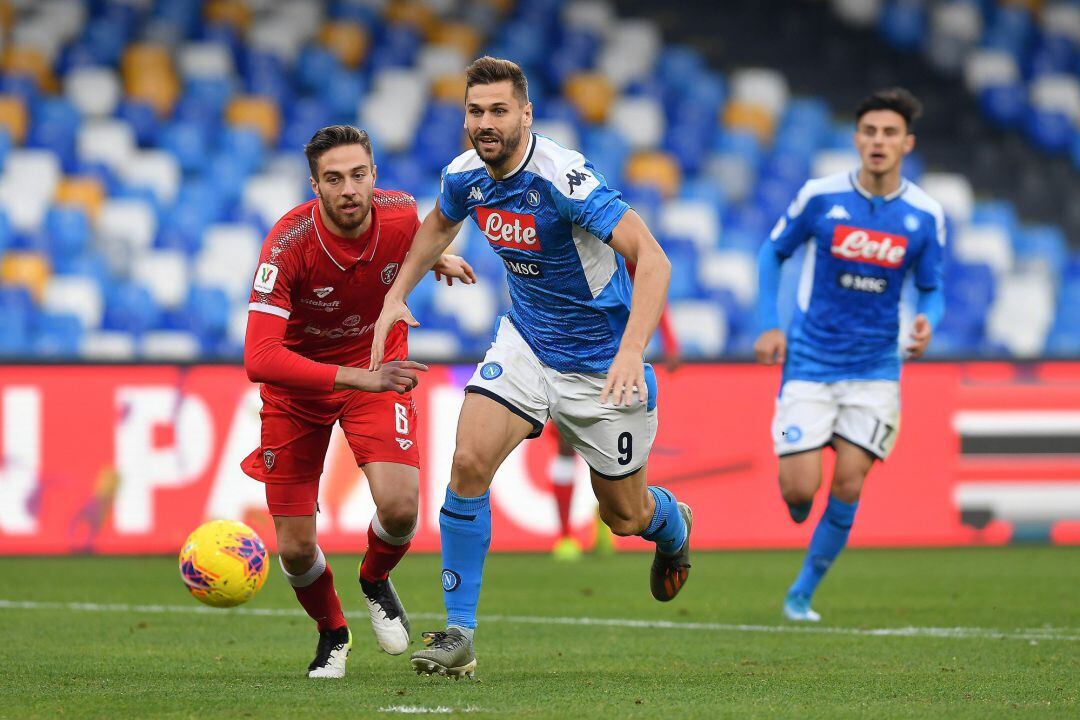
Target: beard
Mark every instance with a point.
(498, 155)
(349, 221)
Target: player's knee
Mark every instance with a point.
(796, 494)
(470, 473)
(623, 522)
(297, 555)
(847, 489)
(399, 516)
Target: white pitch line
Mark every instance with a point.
(1026, 634)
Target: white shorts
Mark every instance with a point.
(863, 412)
(614, 441)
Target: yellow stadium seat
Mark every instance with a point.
(655, 169)
(348, 41)
(412, 13)
(747, 116)
(14, 118)
(30, 270)
(30, 61)
(83, 192)
(228, 12)
(449, 87)
(258, 112)
(7, 16)
(457, 35)
(592, 94)
(149, 76)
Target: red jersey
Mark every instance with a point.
(330, 289)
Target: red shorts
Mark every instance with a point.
(379, 427)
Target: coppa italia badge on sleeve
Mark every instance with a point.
(390, 272)
(265, 277)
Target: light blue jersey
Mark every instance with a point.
(846, 323)
(550, 220)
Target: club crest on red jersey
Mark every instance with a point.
(390, 272)
(268, 459)
(869, 246)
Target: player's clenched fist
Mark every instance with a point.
(399, 376)
(392, 312)
(771, 347)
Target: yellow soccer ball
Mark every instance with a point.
(223, 563)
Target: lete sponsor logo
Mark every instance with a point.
(869, 246)
(508, 229)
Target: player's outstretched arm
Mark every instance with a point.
(632, 239)
(435, 235)
(770, 347)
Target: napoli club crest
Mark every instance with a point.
(268, 459)
(450, 580)
(390, 272)
(491, 370)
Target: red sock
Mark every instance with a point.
(319, 598)
(381, 556)
(563, 495)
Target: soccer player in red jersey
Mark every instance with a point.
(324, 270)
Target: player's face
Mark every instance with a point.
(497, 121)
(882, 139)
(344, 185)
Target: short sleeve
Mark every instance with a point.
(449, 198)
(583, 197)
(271, 288)
(794, 226)
(930, 265)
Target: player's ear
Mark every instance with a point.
(374, 173)
(527, 115)
(315, 187)
(909, 143)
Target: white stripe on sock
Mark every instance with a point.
(387, 537)
(313, 573)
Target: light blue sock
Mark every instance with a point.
(666, 528)
(465, 529)
(830, 537)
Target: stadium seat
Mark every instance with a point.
(26, 269)
(31, 62)
(1022, 313)
(472, 306)
(990, 68)
(75, 295)
(988, 245)
(763, 87)
(271, 196)
(57, 335)
(640, 120)
(750, 117)
(154, 169)
(14, 117)
(592, 94)
(827, 162)
(164, 273)
(438, 345)
(630, 50)
(394, 107)
(695, 220)
(27, 186)
(133, 223)
(129, 308)
(95, 91)
(257, 112)
(954, 192)
(730, 270)
(67, 231)
(700, 327)
(348, 41)
(231, 13)
(654, 169)
(169, 346)
(108, 141)
(226, 249)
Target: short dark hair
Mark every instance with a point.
(897, 99)
(488, 70)
(332, 137)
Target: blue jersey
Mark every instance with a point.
(550, 221)
(846, 323)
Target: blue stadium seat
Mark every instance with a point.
(57, 336)
(341, 92)
(143, 121)
(683, 254)
(1004, 105)
(68, 232)
(54, 127)
(130, 308)
(1049, 130)
(903, 23)
(395, 46)
(245, 146)
(264, 74)
(439, 136)
(303, 117)
(315, 64)
(607, 150)
(188, 142)
(1042, 242)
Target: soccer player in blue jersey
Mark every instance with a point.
(570, 348)
(865, 231)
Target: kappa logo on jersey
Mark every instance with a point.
(390, 272)
(323, 292)
(524, 269)
(475, 194)
(265, 277)
(837, 212)
(869, 246)
(575, 178)
(863, 283)
(508, 229)
(405, 443)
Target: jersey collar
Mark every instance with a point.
(341, 250)
(524, 161)
(854, 177)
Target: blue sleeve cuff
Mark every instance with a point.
(768, 287)
(931, 303)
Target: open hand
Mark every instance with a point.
(451, 267)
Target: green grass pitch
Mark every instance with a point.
(970, 633)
